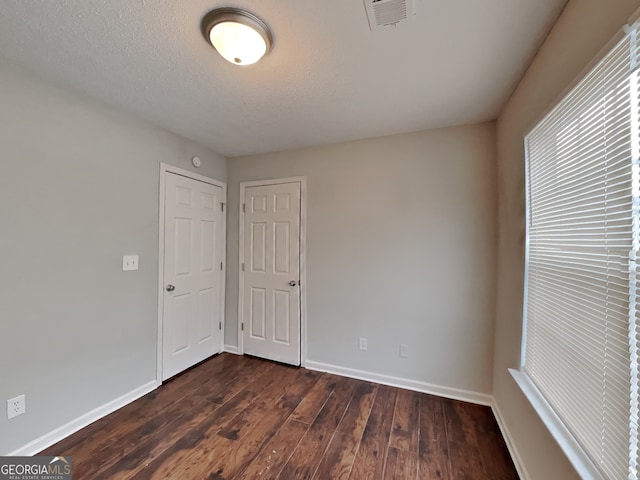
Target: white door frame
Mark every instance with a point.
(303, 260)
(165, 168)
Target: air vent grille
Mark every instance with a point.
(382, 13)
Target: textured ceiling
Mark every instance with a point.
(327, 79)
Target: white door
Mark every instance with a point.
(271, 291)
(193, 253)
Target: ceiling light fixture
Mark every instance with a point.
(239, 36)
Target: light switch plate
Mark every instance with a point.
(129, 262)
(404, 350)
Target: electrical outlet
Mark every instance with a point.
(362, 343)
(404, 350)
(129, 262)
(16, 406)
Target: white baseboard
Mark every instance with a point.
(231, 349)
(82, 421)
(511, 446)
(415, 385)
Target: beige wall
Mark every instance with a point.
(78, 189)
(401, 249)
(582, 30)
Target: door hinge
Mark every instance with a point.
(242, 326)
(243, 266)
(221, 268)
(219, 325)
(244, 207)
(222, 204)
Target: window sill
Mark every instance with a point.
(583, 464)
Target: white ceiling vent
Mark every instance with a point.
(382, 13)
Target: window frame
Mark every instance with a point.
(571, 447)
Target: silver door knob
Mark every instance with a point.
(293, 283)
(170, 288)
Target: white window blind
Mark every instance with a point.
(583, 234)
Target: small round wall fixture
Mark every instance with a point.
(196, 162)
(239, 36)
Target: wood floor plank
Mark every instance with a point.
(183, 429)
(369, 462)
(474, 442)
(493, 447)
(355, 418)
(247, 446)
(464, 456)
(134, 427)
(268, 464)
(184, 437)
(287, 391)
(309, 408)
(337, 403)
(433, 454)
(401, 465)
(404, 434)
(241, 417)
(309, 452)
(141, 463)
(199, 461)
(225, 453)
(337, 461)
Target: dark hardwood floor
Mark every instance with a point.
(237, 417)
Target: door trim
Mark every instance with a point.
(303, 259)
(165, 169)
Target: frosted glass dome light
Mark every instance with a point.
(239, 36)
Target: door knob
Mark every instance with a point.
(293, 283)
(170, 288)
